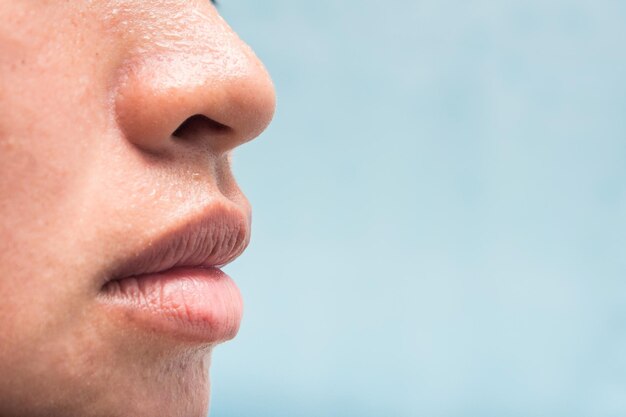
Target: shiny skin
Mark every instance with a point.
(91, 93)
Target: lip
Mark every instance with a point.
(173, 284)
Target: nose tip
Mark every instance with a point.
(219, 91)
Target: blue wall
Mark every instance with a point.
(440, 212)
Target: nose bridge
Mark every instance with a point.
(192, 66)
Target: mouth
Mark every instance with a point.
(173, 284)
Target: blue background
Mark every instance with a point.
(440, 212)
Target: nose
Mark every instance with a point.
(191, 80)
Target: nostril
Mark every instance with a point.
(197, 124)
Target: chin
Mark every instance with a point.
(170, 388)
(170, 385)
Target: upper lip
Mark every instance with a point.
(212, 238)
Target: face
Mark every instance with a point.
(117, 203)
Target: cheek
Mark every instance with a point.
(40, 185)
(54, 116)
(45, 153)
(53, 101)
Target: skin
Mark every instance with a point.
(90, 95)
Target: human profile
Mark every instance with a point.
(117, 203)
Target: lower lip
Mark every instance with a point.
(198, 304)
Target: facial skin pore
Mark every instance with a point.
(91, 94)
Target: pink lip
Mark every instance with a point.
(174, 286)
(203, 304)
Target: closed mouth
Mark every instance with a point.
(174, 285)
